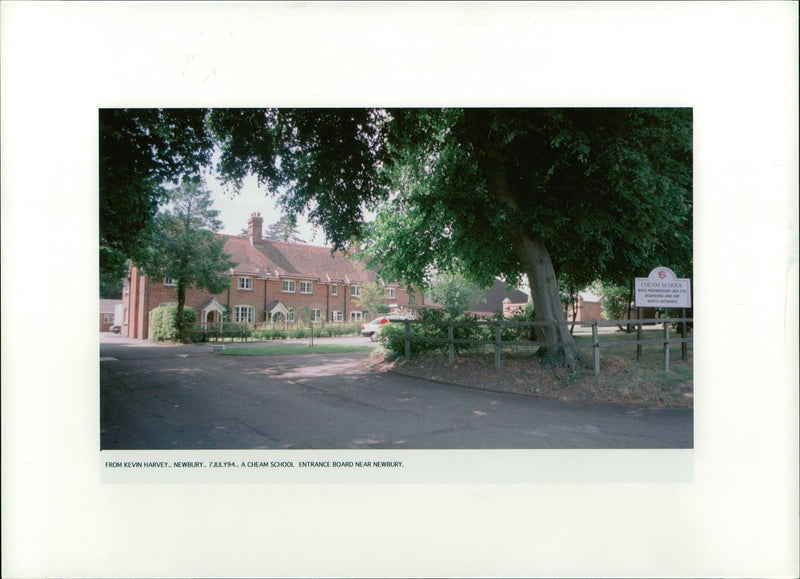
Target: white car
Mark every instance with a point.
(373, 328)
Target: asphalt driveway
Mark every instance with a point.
(187, 397)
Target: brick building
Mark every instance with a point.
(269, 283)
(109, 315)
(494, 300)
(588, 309)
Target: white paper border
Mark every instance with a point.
(734, 63)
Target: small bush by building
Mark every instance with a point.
(163, 323)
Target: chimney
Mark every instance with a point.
(254, 226)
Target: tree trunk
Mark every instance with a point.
(181, 303)
(573, 298)
(628, 309)
(558, 341)
(559, 344)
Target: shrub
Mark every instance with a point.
(431, 325)
(518, 333)
(333, 330)
(615, 301)
(163, 323)
(392, 336)
(299, 332)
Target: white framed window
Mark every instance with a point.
(289, 286)
(291, 316)
(355, 291)
(390, 293)
(355, 316)
(335, 289)
(245, 283)
(244, 314)
(170, 282)
(306, 287)
(336, 316)
(316, 315)
(168, 305)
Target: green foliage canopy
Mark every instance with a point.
(180, 243)
(606, 191)
(284, 229)
(588, 193)
(454, 293)
(321, 162)
(615, 300)
(141, 152)
(372, 299)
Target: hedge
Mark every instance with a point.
(253, 332)
(163, 323)
(300, 332)
(392, 335)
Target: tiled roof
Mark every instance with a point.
(492, 298)
(107, 305)
(276, 258)
(208, 302)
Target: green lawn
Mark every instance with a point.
(292, 349)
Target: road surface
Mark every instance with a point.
(187, 397)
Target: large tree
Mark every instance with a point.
(321, 162)
(284, 229)
(589, 193)
(454, 293)
(142, 153)
(180, 243)
(372, 300)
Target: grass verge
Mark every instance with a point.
(622, 380)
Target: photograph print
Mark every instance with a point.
(415, 278)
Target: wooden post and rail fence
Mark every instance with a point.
(666, 339)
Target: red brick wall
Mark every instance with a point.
(105, 327)
(146, 295)
(587, 311)
(159, 293)
(134, 305)
(590, 311)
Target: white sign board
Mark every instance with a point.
(661, 289)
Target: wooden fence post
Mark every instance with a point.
(497, 346)
(407, 336)
(683, 334)
(596, 348)
(639, 333)
(450, 348)
(666, 346)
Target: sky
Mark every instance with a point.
(234, 212)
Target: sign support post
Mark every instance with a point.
(663, 289)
